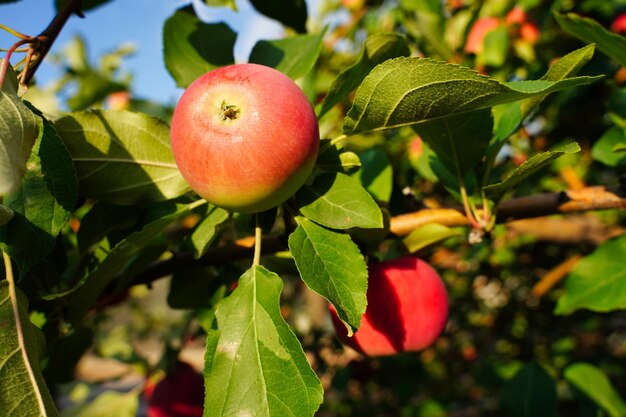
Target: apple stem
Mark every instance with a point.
(258, 232)
(228, 111)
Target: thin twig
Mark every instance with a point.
(50, 34)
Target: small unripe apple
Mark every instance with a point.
(245, 137)
(179, 394)
(407, 309)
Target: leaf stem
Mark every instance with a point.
(6, 62)
(258, 234)
(13, 32)
(20, 332)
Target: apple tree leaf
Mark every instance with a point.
(594, 383)
(294, 56)
(406, 91)
(254, 364)
(6, 214)
(376, 174)
(23, 391)
(121, 157)
(508, 117)
(43, 203)
(120, 256)
(11, 84)
(604, 149)
(191, 48)
(427, 235)
(18, 132)
(332, 158)
(292, 13)
(232, 4)
(597, 282)
(459, 141)
(528, 168)
(590, 31)
(377, 48)
(206, 231)
(530, 393)
(338, 201)
(331, 264)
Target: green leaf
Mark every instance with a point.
(11, 84)
(121, 157)
(222, 3)
(531, 393)
(406, 91)
(333, 159)
(597, 282)
(566, 67)
(377, 48)
(118, 259)
(619, 147)
(590, 31)
(594, 383)
(528, 168)
(508, 117)
(206, 231)
(23, 391)
(603, 149)
(100, 220)
(338, 201)
(376, 174)
(192, 48)
(254, 364)
(18, 132)
(290, 13)
(293, 56)
(331, 265)
(460, 141)
(6, 214)
(43, 203)
(427, 235)
(107, 404)
(496, 46)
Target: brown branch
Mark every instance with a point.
(587, 199)
(46, 38)
(554, 276)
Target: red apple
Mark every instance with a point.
(480, 29)
(245, 137)
(179, 394)
(407, 309)
(516, 16)
(619, 24)
(529, 32)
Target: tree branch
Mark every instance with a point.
(46, 38)
(586, 199)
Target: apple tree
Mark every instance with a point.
(462, 159)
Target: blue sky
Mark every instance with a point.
(139, 22)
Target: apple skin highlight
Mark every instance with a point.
(245, 137)
(407, 309)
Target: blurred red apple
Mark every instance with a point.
(407, 309)
(480, 29)
(516, 16)
(619, 24)
(179, 394)
(245, 137)
(529, 32)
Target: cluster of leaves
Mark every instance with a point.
(92, 203)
